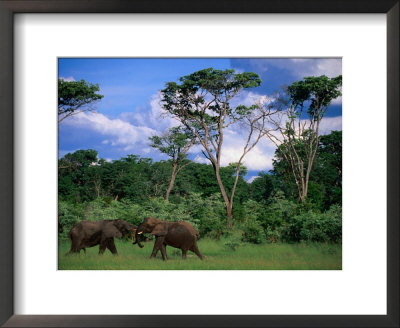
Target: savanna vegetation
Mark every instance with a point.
(286, 218)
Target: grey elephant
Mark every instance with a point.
(92, 233)
(176, 234)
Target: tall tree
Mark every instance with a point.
(175, 143)
(326, 175)
(262, 187)
(202, 103)
(296, 125)
(75, 97)
(75, 174)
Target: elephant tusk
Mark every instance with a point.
(139, 233)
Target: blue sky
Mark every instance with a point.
(130, 112)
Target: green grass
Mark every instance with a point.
(218, 257)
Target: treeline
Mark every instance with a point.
(265, 210)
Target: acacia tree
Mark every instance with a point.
(296, 125)
(201, 102)
(175, 143)
(75, 97)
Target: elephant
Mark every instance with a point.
(92, 233)
(176, 234)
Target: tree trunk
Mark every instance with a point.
(229, 216)
(228, 204)
(97, 188)
(305, 192)
(171, 182)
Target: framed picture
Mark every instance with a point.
(140, 160)
(41, 287)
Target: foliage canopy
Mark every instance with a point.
(75, 97)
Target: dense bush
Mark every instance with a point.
(253, 231)
(206, 214)
(69, 215)
(272, 219)
(281, 220)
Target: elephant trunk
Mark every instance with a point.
(137, 237)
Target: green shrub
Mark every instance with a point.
(206, 214)
(312, 226)
(276, 218)
(253, 232)
(69, 215)
(272, 235)
(233, 239)
(333, 223)
(232, 245)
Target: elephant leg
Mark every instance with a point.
(111, 246)
(74, 247)
(103, 246)
(73, 250)
(84, 250)
(157, 245)
(164, 251)
(184, 251)
(195, 250)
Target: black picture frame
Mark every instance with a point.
(7, 10)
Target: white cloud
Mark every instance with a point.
(337, 101)
(136, 118)
(329, 124)
(252, 178)
(67, 79)
(201, 159)
(249, 98)
(157, 116)
(301, 67)
(118, 132)
(147, 150)
(153, 116)
(239, 70)
(259, 158)
(130, 130)
(330, 67)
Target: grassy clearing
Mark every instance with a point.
(218, 257)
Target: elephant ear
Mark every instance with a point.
(161, 229)
(110, 231)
